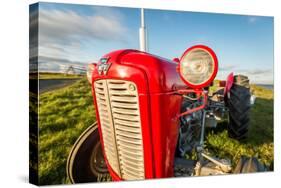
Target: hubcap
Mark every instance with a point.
(97, 162)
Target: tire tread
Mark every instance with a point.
(239, 108)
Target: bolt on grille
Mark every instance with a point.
(118, 107)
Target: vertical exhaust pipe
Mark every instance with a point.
(142, 33)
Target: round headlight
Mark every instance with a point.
(198, 66)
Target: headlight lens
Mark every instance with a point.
(198, 66)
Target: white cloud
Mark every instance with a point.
(252, 19)
(68, 26)
(256, 75)
(57, 64)
(227, 67)
(256, 71)
(64, 33)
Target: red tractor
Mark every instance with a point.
(152, 113)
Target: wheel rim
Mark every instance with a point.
(97, 162)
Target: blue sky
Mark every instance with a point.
(79, 34)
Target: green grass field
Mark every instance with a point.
(65, 113)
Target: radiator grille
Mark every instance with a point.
(118, 108)
(106, 124)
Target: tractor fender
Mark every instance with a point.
(228, 85)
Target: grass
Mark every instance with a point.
(46, 75)
(260, 141)
(33, 137)
(65, 113)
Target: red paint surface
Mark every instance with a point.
(156, 79)
(229, 83)
(157, 82)
(200, 94)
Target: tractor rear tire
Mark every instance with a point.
(238, 102)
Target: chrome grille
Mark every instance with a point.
(118, 107)
(106, 122)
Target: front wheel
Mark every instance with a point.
(238, 102)
(86, 161)
(249, 165)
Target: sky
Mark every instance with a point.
(72, 34)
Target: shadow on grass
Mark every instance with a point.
(261, 129)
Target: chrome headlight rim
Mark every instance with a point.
(213, 56)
